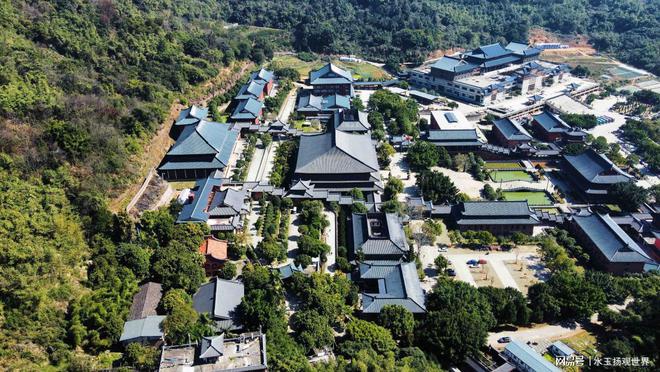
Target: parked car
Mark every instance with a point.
(442, 249)
(474, 266)
(451, 272)
(472, 262)
(504, 340)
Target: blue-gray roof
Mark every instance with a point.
(551, 123)
(453, 64)
(210, 200)
(530, 358)
(262, 75)
(597, 168)
(500, 61)
(219, 298)
(565, 349)
(330, 74)
(512, 130)
(336, 152)
(247, 109)
(309, 102)
(211, 142)
(379, 234)
(398, 284)
(523, 49)
(422, 95)
(252, 89)
(489, 51)
(148, 327)
(610, 239)
(191, 115)
(287, 271)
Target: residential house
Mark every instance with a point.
(498, 217)
(526, 359)
(199, 150)
(215, 254)
(247, 352)
(592, 174)
(351, 121)
(219, 298)
(331, 79)
(147, 330)
(310, 104)
(145, 301)
(338, 161)
(221, 207)
(377, 236)
(247, 111)
(608, 245)
(390, 283)
(509, 133)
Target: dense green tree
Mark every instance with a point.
(228, 271)
(362, 334)
(509, 306)
(141, 357)
(399, 321)
(422, 155)
(178, 266)
(437, 187)
(312, 330)
(393, 187)
(441, 264)
(628, 196)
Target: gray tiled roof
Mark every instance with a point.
(226, 202)
(453, 135)
(308, 102)
(330, 74)
(336, 152)
(149, 327)
(522, 49)
(597, 168)
(392, 240)
(146, 300)
(496, 208)
(398, 284)
(610, 239)
(512, 130)
(212, 347)
(551, 123)
(351, 120)
(219, 298)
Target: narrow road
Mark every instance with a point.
(536, 334)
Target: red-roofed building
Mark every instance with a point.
(215, 252)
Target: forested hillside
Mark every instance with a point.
(407, 30)
(83, 86)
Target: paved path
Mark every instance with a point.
(288, 106)
(495, 259)
(255, 164)
(252, 218)
(330, 236)
(458, 263)
(542, 333)
(268, 164)
(292, 249)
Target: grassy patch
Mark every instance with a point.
(503, 165)
(584, 343)
(532, 197)
(505, 176)
(180, 185)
